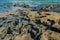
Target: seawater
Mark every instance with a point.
(28, 2)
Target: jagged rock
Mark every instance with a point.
(31, 25)
(50, 35)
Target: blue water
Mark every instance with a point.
(28, 2)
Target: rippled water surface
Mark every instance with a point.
(28, 2)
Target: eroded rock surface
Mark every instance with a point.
(30, 25)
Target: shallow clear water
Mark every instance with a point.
(28, 2)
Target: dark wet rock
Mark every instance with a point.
(45, 24)
(32, 34)
(59, 22)
(20, 11)
(3, 18)
(22, 15)
(37, 37)
(52, 21)
(42, 16)
(39, 12)
(34, 28)
(1, 25)
(37, 21)
(9, 31)
(55, 29)
(9, 21)
(26, 19)
(22, 5)
(13, 15)
(34, 9)
(44, 9)
(16, 23)
(47, 14)
(26, 6)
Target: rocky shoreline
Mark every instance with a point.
(39, 7)
(30, 24)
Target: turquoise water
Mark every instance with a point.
(28, 2)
